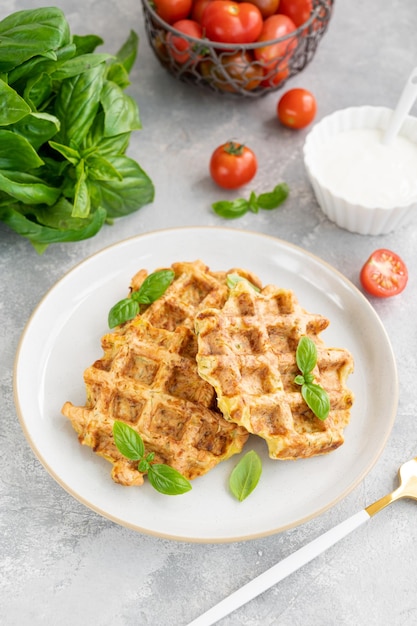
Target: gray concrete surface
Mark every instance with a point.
(62, 563)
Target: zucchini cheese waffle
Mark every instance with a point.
(204, 366)
(247, 351)
(148, 378)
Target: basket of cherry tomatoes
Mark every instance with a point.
(246, 48)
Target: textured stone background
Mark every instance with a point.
(60, 562)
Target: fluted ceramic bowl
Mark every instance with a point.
(366, 218)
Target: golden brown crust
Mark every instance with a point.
(205, 365)
(147, 377)
(247, 350)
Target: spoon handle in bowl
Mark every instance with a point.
(407, 98)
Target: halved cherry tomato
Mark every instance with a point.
(236, 71)
(384, 274)
(297, 108)
(172, 10)
(275, 27)
(233, 165)
(182, 49)
(298, 10)
(231, 22)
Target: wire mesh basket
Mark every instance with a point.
(234, 68)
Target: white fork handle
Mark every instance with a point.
(281, 570)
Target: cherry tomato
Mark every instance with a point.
(172, 10)
(298, 10)
(266, 7)
(159, 46)
(297, 108)
(384, 274)
(199, 6)
(275, 27)
(275, 75)
(182, 49)
(231, 22)
(232, 165)
(237, 72)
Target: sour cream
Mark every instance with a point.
(357, 166)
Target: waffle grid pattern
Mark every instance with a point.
(247, 352)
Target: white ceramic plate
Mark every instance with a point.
(62, 338)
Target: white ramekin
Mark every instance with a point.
(366, 220)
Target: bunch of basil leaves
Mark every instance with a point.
(65, 126)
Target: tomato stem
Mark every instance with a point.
(234, 148)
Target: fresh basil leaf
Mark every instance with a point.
(153, 287)
(126, 55)
(82, 201)
(314, 395)
(77, 104)
(40, 236)
(37, 128)
(29, 190)
(306, 355)
(237, 208)
(121, 197)
(121, 114)
(163, 478)
(70, 154)
(61, 79)
(38, 65)
(128, 441)
(37, 90)
(25, 34)
(167, 480)
(231, 209)
(78, 65)
(105, 145)
(12, 107)
(245, 476)
(299, 379)
(59, 216)
(143, 466)
(86, 43)
(100, 168)
(272, 200)
(17, 153)
(122, 311)
(117, 74)
(253, 203)
(317, 399)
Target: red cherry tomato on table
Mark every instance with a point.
(233, 165)
(180, 48)
(275, 27)
(297, 108)
(231, 22)
(384, 274)
(172, 10)
(298, 10)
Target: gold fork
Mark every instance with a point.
(406, 489)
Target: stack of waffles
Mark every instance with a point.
(205, 366)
